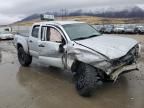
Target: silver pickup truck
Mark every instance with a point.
(78, 47)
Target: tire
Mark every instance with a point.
(122, 32)
(140, 32)
(86, 80)
(24, 59)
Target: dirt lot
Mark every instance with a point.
(40, 86)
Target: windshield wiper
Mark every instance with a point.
(94, 35)
(81, 38)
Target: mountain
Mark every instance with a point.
(31, 17)
(133, 12)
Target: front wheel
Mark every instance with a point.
(24, 59)
(86, 80)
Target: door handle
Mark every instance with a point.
(41, 45)
(30, 41)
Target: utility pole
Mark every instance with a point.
(63, 13)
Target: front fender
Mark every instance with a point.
(83, 55)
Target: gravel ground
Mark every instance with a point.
(39, 86)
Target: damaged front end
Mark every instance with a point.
(112, 67)
(125, 63)
(118, 66)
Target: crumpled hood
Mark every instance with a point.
(111, 46)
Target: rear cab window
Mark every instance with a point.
(35, 31)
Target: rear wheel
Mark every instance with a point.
(87, 80)
(24, 59)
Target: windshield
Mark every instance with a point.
(80, 31)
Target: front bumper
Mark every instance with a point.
(124, 69)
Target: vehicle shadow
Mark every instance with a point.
(34, 73)
(45, 77)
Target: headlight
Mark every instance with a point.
(104, 65)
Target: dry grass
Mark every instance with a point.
(90, 20)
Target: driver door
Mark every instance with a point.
(49, 47)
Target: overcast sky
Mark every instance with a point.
(13, 10)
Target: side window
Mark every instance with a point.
(35, 31)
(55, 35)
(50, 34)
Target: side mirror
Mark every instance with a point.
(61, 48)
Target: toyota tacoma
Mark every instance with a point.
(78, 47)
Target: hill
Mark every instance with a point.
(127, 15)
(134, 12)
(89, 19)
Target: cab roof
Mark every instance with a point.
(58, 22)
